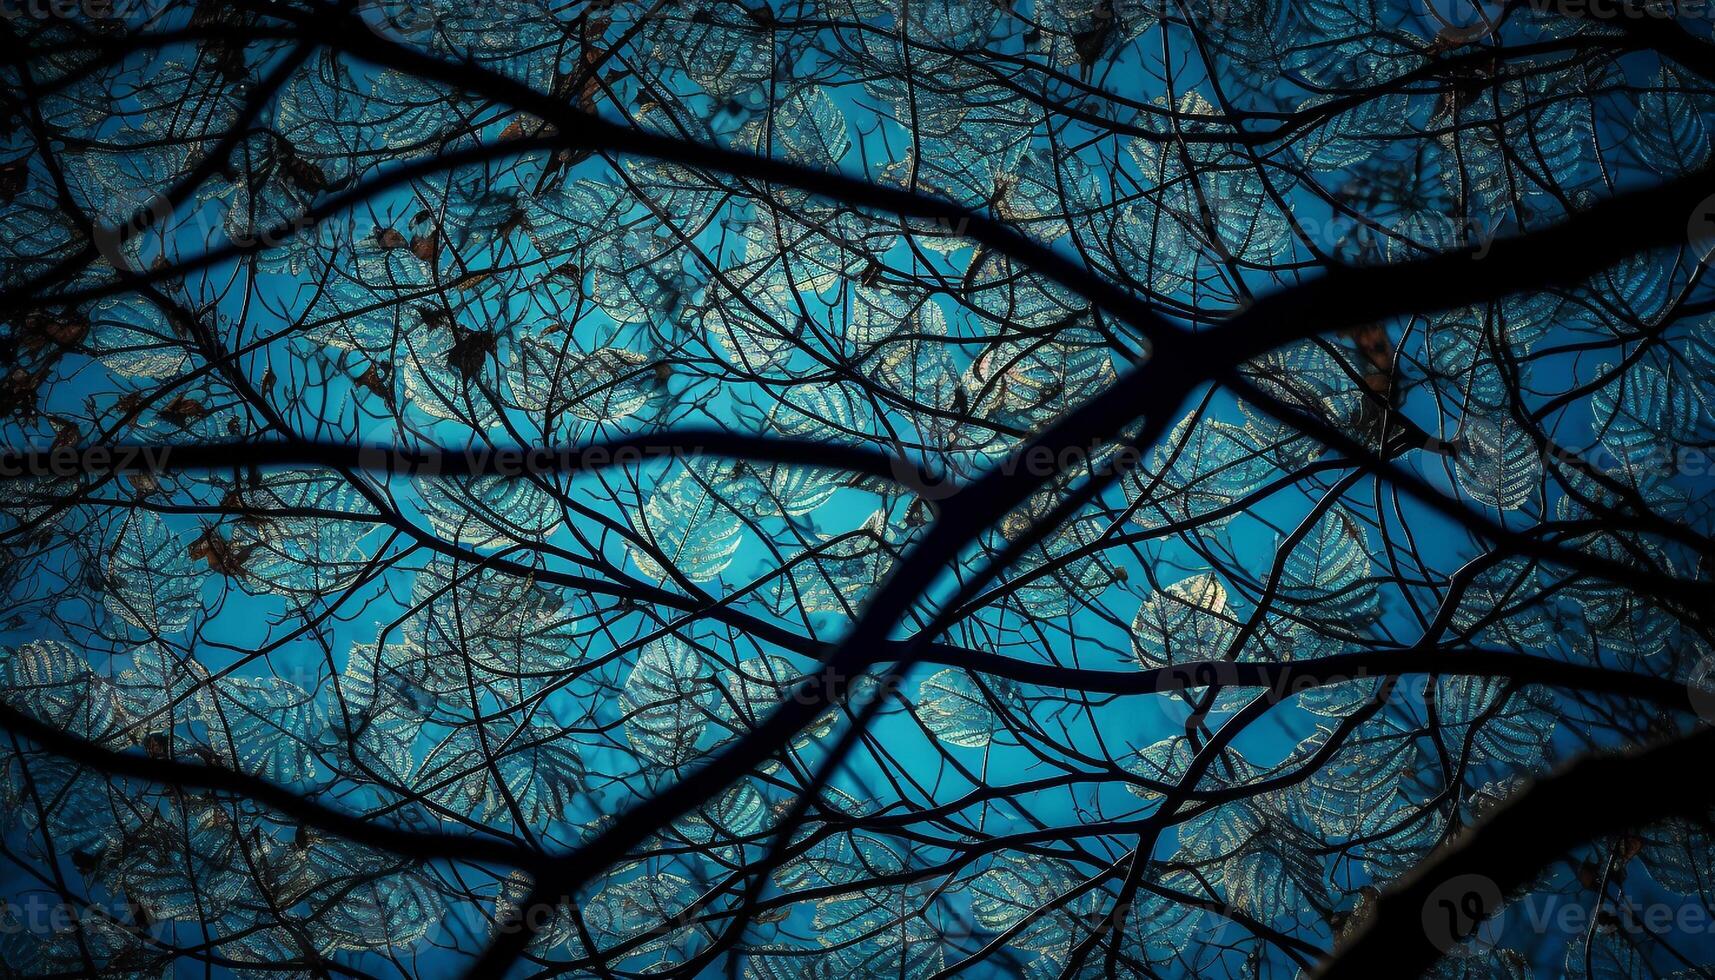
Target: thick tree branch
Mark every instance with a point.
(1597, 795)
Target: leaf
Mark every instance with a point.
(1074, 578)
(956, 711)
(649, 906)
(1275, 878)
(667, 701)
(1028, 382)
(182, 865)
(132, 339)
(742, 811)
(689, 525)
(1616, 618)
(906, 947)
(295, 555)
(1015, 886)
(49, 681)
(266, 726)
(1399, 836)
(1481, 961)
(1361, 777)
(382, 707)
(1497, 463)
(811, 128)
(1677, 853)
(1204, 465)
(752, 691)
(1187, 622)
(721, 51)
(488, 627)
(1667, 131)
(488, 511)
(369, 901)
(1504, 603)
(539, 768)
(447, 370)
(839, 573)
(160, 690)
(1168, 762)
(607, 384)
(1328, 575)
(1513, 728)
(150, 581)
(1657, 400)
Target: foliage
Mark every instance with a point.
(277, 224)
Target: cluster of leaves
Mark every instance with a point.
(277, 222)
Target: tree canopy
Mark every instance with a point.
(845, 488)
